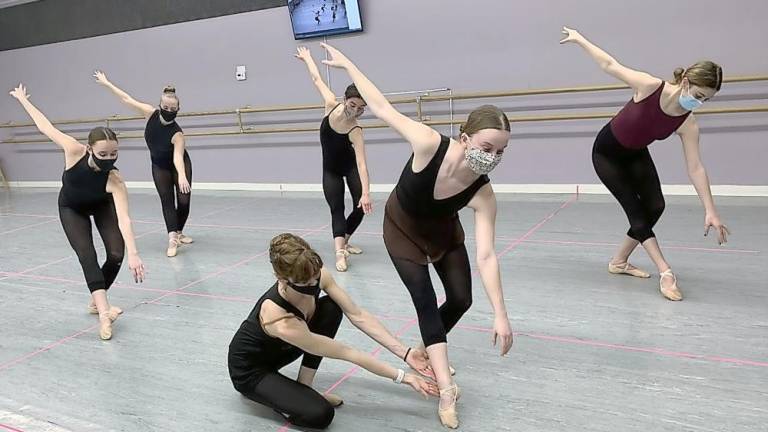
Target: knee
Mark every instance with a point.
(656, 208)
(319, 416)
(115, 256)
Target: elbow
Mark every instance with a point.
(484, 258)
(608, 65)
(696, 171)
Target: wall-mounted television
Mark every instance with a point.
(318, 18)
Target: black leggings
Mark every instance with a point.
(175, 204)
(77, 227)
(631, 177)
(333, 189)
(299, 403)
(453, 270)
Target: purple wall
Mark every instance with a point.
(407, 45)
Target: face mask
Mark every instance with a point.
(688, 102)
(481, 162)
(168, 116)
(310, 290)
(103, 164)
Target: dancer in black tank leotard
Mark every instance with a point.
(622, 161)
(92, 186)
(421, 223)
(343, 149)
(291, 320)
(171, 165)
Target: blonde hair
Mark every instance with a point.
(702, 74)
(169, 91)
(293, 258)
(485, 117)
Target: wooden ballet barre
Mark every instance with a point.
(418, 100)
(513, 119)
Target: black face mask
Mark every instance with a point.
(103, 164)
(168, 116)
(310, 290)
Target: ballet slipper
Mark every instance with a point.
(673, 293)
(173, 245)
(628, 269)
(334, 400)
(114, 311)
(105, 326)
(185, 239)
(448, 416)
(354, 250)
(341, 260)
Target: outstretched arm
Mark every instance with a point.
(143, 108)
(639, 81)
(67, 143)
(422, 138)
(329, 99)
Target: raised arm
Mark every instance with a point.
(67, 143)
(371, 326)
(641, 82)
(143, 108)
(689, 135)
(422, 138)
(329, 99)
(484, 204)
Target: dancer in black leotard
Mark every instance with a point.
(291, 320)
(341, 139)
(92, 186)
(421, 223)
(622, 161)
(171, 165)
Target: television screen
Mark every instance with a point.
(317, 18)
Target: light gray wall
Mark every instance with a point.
(467, 46)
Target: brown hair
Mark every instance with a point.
(352, 92)
(169, 91)
(702, 74)
(293, 258)
(101, 133)
(485, 117)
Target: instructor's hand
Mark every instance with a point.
(419, 362)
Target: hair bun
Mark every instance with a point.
(678, 73)
(169, 89)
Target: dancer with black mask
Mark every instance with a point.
(92, 187)
(341, 140)
(171, 165)
(292, 320)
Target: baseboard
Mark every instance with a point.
(596, 189)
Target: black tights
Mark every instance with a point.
(631, 177)
(454, 272)
(77, 227)
(333, 189)
(175, 204)
(299, 403)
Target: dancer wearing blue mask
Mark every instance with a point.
(622, 161)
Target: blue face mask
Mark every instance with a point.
(688, 102)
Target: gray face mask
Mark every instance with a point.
(481, 162)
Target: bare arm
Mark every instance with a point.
(689, 135)
(484, 204)
(116, 187)
(72, 148)
(329, 99)
(143, 108)
(361, 318)
(641, 82)
(423, 139)
(356, 136)
(178, 161)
